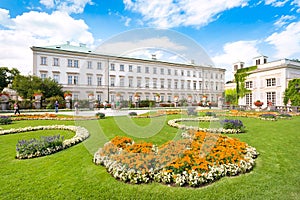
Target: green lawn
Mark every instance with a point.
(71, 174)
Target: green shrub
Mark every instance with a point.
(100, 115)
(285, 115)
(5, 120)
(210, 114)
(269, 116)
(132, 114)
(192, 111)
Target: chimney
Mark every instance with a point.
(260, 60)
(153, 56)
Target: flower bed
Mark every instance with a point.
(48, 116)
(270, 117)
(284, 116)
(170, 111)
(4, 120)
(147, 115)
(35, 148)
(174, 124)
(197, 160)
(80, 135)
(233, 124)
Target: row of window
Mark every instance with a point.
(74, 80)
(70, 63)
(271, 97)
(75, 64)
(269, 83)
(154, 83)
(163, 71)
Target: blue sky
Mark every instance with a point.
(229, 31)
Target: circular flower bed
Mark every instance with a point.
(229, 126)
(270, 117)
(198, 159)
(80, 135)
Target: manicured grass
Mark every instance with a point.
(70, 174)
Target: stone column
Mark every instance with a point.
(4, 101)
(37, 100)
(68, 99)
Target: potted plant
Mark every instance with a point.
(37, 94)
(189, 98)
(67, 93)
(91, 96)
(258, 103)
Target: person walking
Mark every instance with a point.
(56, 106)
(17, 108)
(76, 105)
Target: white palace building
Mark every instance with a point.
(268, 82)
(85, 72)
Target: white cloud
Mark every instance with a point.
(38, 29)
(5, 18)
(287, 42)
(284, 20)
(242, 51)
(127, 21)
(68, 6)
(57, 26)
(296, 2)
(169, 13)
(47, 3)
(276, 3)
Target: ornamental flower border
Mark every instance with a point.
(159, 173)
(48, 117)
(173, 123)
(80, 135)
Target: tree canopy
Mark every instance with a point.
(292, 92)
(231, 96)
(26, 86)
(7, 76)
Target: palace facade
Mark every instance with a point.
(84, 72)
(268, 81)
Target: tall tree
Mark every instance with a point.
(292, 92)
(26, 86)
(231, 96)
(7, 76)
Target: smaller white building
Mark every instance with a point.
(268, 82)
